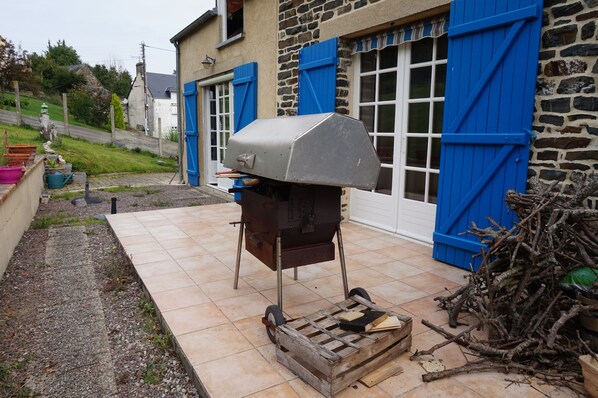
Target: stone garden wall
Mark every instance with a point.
(566, 117)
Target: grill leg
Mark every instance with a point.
(238, 262)
(279, 270)
(295, 276)
(341, 255)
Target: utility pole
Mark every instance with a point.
(144, 77)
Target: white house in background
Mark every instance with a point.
(160, 94)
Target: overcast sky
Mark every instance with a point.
(105, 32)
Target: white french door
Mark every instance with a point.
(400, 99)
(218, 100)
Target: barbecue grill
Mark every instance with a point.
(293, 169)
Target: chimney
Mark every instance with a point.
(139, 68)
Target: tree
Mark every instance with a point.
(89, 106)
(53, 77)
(62, 55)
(14, 65)
(119, 115)
(116, 80)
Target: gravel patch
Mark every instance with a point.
(143, 359)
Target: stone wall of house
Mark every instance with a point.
(566, 109)
(299, 26)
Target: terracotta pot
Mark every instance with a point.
(10, 174)
(22, 148)
(18, 159)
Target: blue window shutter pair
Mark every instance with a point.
(190, 94)
(245, 94)
(317, 77)
(491, 79)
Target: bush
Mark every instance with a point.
(173, 135)
(89, 106)
(119, 115)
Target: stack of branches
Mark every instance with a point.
(516, 295)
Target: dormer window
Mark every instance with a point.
(231, 12)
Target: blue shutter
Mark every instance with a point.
(317, 78)
(491, 79)
(245, 94)
(190, 94)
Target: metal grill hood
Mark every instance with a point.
(324, 149)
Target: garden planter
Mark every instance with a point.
(589, 367)
(19, 159)
(10, 174)
(22, 148)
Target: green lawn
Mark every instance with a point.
(89, 157)
(32, 106)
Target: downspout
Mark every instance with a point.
(178, 110)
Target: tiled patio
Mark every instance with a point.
(185, 258)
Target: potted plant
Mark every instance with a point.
(9, 174)
(52, 166)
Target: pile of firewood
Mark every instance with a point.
(517, 296)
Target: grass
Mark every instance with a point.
(118, 273)
(10, 384)
(93, 158)
(62, 218)
(152, 327)
(32, 106)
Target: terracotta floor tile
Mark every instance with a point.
(157, 268)
(351, 248)
(451, 355)
(409, 379)
(194, 318)
(166, 232)
(493, 385)
(308, 272)
(375, 243)
(303, 389)
(236, 308)
(135, 239)
(367, 277)
(143, 247)
(213, 343)
(292, 295)
(131, 231)
(424, 261)
(397, 292)
(210, 273)
(455, 274)
(149, 257)
(254, 330)
(186, 252)
(180, 298)
(426, 308)
(198, 262)
(371, 258)
(192, 229)
(268, 351)
(281, 390)
(156, 223)
(177, 243)
(358, 390)
(326, 287)
(306, 309)
(334, 267)
(247, 373)
(446, 388)
(266, 280)
(162, 283)
(397, 269)
(224, 289)
(430, 283)
(398, 252)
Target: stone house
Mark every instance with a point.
(504, 90)
(160, 96)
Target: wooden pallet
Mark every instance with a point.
(330, 359)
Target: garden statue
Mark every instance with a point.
(47, 129)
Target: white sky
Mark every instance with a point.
(105, 32)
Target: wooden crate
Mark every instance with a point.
(330, 359)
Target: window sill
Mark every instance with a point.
(230, 41)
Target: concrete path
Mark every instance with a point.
(75, 343)
(118, 180)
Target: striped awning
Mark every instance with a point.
(403, 34)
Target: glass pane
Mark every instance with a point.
(438, 114)
(388, 57)
(421, 51)
(433, 188)
(213, 138)
(440, 80)
(227, 123)
(435, 160)
(368, 61)
(368, 89)
(226, 138)
(386, 119)
(213, 107)
(415, 185)
(222, 142)
(418, 117)
(366, 115)
(213, 122)
(213, 153)
(385, 149)
(384, 185)
(420, 82)
(388, 86)
(442, 47)
(417, 152)
(221, 155)
(226, 106)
